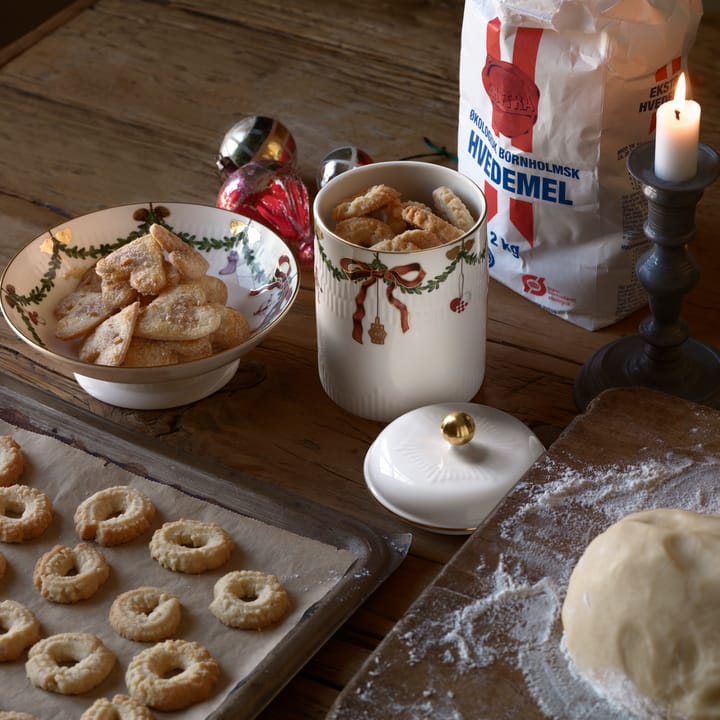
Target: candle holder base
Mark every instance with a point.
(662, 356)
(693, 375)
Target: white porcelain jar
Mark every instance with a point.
(399, 330)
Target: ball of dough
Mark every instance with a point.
(642, 613)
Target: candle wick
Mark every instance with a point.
(677, 114)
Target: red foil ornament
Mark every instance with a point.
(273, 194)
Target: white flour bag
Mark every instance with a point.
(553, 96)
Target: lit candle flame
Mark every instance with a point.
(679, 99)
(677, 136)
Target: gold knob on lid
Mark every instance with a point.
(458, 428)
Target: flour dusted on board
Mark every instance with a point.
(554, 94)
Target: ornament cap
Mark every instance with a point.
(340, 160)
(255, 137)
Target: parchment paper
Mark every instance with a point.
(307, 568)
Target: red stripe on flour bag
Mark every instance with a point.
(515, 98)
(491, 200)
(661, 75)
(525, 52)
(492, 42)
(511, 85)
(521, 216)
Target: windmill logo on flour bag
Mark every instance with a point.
(554, 94)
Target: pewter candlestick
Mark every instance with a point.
(662, 356)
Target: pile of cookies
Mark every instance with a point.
(150, 303)
(172, 673)
(381, 220)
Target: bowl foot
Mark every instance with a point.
(159, 395)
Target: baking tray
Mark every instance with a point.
(376, 554)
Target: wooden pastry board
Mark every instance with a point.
(247, 506)
(484, 639)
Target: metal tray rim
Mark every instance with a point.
(377, 554)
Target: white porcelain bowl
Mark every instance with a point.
(257, 267)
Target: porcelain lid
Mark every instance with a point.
(420, 471)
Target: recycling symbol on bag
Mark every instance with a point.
(534, 285)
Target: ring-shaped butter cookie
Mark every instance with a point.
(69, 663)
(114, 515)
(25, 513)
(12, 461)
(249, 600)
(191, 546)
(121, 707)
(172, 675)
(20, 629)
(145, 614)
(68, 575)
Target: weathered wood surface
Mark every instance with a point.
(28, 24)
(128, 100)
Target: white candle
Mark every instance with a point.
(676, 137)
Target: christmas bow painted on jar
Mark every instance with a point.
(370, 274)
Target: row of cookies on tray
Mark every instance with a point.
(76, 662)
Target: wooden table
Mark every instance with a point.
(124, 100)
